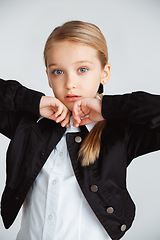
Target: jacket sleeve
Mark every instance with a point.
(14, 100)
(140, 114)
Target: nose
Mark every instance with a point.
(70, 81)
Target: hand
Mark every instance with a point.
(52, 108)
(90, 108)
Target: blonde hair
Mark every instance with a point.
(87, 34)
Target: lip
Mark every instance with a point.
(72, 97)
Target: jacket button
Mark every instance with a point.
(123, 227)
(78, 139)
(94, 188)
(110, 210)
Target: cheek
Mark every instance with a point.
(96, 77)
(96, 81)
(54, 85)
(57, 90)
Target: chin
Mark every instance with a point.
(69, 106)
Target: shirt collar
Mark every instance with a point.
(71, 128)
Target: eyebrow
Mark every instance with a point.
(52, 64)
(84, 61)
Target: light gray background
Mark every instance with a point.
(132, 30)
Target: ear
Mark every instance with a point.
(49, 82)
(105, 74)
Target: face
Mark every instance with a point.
(74, 71)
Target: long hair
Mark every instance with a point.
(87, 34)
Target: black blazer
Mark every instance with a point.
(132, 129)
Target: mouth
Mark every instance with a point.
(72, 97)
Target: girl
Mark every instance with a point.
(68, 167)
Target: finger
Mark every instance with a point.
(76, 107)
(48, 113)
(62, 116)
(59, 111)
(78, 114)
(76, 119)
(66, 121)
(85, 121)
(52, 117)
(76, 123)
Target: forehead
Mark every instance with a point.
(70, 51)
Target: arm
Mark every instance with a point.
(137, 107)
(14, 99)
(139, 113)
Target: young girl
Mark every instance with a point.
(68, 166)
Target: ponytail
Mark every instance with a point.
(90, 147)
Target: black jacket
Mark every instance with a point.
(132, 129)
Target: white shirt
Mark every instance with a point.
(55, 207)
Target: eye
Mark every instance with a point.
(58, 72)
(82, 70)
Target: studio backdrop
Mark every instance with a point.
(132, 31)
